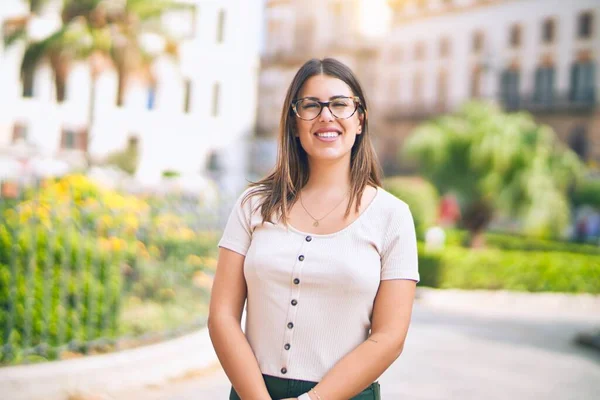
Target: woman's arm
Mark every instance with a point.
(358, 369)
(224, 325)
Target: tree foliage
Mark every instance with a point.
(113, 30)
(498, 163)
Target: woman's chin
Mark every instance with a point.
(328, 155)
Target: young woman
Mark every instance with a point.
(325, 258)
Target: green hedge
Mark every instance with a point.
(516, 242)
(458, 267)
(57, 288)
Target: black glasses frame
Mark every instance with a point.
(355, 99)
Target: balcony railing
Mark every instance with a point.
(563, 102)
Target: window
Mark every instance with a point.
(579, 142)
(418, 88)
(72, 139)
(478, 42)
(509, 88)
(214, 162)
(585, 25)
(444, 47)
(420, 51)
(188, 95)
(221, 27)
(28, 76)
(515, 36)
(151, 99)
(476, 82)
(583, 82)
(442, 88)
(544, 85)
(19, 132)
(216, 99)
(68, 139)
(548, 31)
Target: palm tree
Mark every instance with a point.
(498, 163)
(100, 31)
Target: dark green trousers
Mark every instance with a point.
(280, 388)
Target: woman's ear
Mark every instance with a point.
(361, 120)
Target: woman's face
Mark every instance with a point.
(327, 137)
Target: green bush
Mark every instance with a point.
(588, 193)
(82, 267)
(505, 241)
(57, 288)
(532, 271)
(421, 196)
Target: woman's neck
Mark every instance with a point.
(326, 176)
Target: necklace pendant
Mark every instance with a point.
(316, 223)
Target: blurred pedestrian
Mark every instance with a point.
(449, 211)
(325, 258)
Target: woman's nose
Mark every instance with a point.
(326, 115)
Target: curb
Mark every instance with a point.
(149, 365)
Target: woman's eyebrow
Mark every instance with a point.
(331, 98)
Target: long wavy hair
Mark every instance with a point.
(279, 190)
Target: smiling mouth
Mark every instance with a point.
(328, 135)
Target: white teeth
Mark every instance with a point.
(327, 134)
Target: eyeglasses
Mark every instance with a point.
(341, 107)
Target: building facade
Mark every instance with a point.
(539, 56)
(193, 116)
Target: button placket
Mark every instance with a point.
(293, 303)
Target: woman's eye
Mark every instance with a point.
(310, 105)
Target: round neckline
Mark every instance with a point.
(324, 235)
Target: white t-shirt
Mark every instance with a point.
(310, 297)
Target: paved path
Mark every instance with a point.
(465, 352)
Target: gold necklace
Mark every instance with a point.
(316, 223)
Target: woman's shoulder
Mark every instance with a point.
(388, 203)
(252, 198)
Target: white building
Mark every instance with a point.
(202, 105)
(537, 55)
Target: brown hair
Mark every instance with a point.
(278, 191)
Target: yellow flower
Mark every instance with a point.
(194, 260)
(210, 263)
(202, 280)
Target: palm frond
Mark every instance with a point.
(147, 10)
(35, 6)
(73, 9)
(14, 29)
(36, 51)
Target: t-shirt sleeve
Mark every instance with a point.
(238, 230)
(399, 259)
